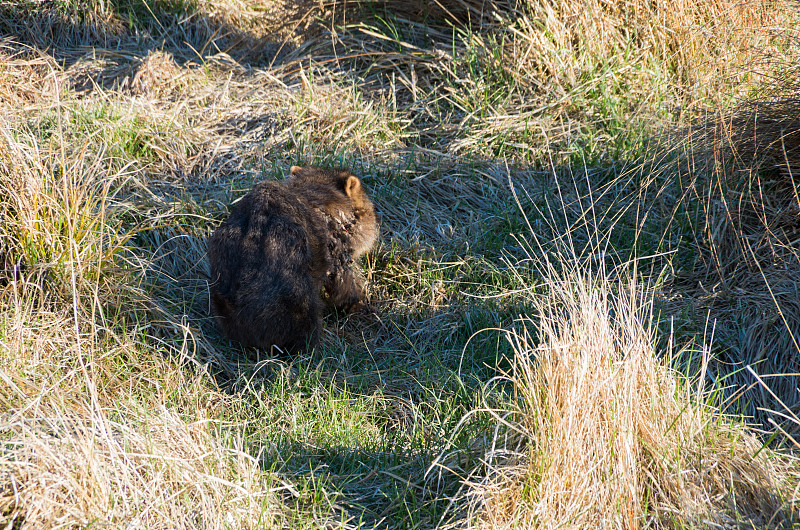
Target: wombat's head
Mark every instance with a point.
(340, 193)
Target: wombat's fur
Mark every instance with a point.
(284, 244)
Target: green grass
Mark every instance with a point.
(498, 161)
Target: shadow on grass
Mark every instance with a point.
(359, 421)
(106, 46)
(382, 488)
(362, 449)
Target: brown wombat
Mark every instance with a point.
(283, 246)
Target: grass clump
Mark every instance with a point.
(728, 197)
(506, 79)
(81, 425)
(55, 228)
(71, 470)
(603, 432)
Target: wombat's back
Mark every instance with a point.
(261, 291)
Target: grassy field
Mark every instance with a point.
(584, 302)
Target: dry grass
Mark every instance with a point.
(755, 136)
(80, 427)
(83, 468)
(26, 79)
(126, 135)
(248, 30)
(54, 226)
(734, 182)
(605, 434)
(104, 422)
(542, 74)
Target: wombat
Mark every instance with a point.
(285, 248)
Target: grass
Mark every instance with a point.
(602, 433)
(584, 295)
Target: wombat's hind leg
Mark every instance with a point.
(290, 319)
(298, 332)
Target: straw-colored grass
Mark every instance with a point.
(82, 425)
(505, 79)
(103, 423)
(83, 467)
(54, 219)
(604, 433)
(127, 129)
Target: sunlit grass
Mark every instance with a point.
(509, 148)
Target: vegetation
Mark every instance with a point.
(584, 305)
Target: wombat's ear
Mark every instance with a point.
(352, 186)
(294, 170)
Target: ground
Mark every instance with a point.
(588, 261)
